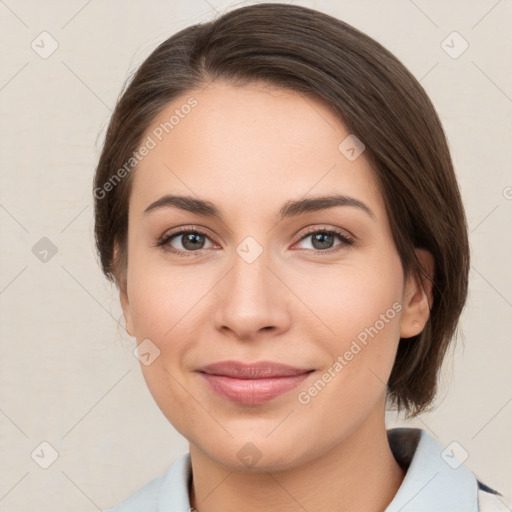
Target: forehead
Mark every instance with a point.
(252, 145)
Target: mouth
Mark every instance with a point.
(252, 384)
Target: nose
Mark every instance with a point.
(252, 300)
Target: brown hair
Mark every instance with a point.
(377, 99)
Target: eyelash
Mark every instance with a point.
(162, 242)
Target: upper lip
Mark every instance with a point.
(259, 370)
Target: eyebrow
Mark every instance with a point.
(291, 208)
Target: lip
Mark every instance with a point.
(259, 370)
(252, 384)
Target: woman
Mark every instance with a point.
(276, 202)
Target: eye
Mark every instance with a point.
(188, 240)
(322, 239)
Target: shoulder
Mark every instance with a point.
(490, 500)
(436, 480)
(145, 498)
(168, 489)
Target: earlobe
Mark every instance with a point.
(418, 297)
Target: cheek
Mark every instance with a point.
(166, 307)
(361, 305)
(354, 298)
(359, 359)
(165, 300)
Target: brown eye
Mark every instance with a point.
(184, 241)
(322, 240)
(191, 241)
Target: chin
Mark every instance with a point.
(257, 453)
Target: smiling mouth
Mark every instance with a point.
(252, 384)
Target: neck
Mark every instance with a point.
(359, 473)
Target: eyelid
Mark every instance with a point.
(326, 228)
(180, 230)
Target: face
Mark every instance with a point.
(320, 290)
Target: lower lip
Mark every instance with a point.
(252, 391)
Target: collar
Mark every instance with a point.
(435, 479)
(430, 483)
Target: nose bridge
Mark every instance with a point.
(250, 300)
(250, 273)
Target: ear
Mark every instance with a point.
(123, 297)
(418, 297)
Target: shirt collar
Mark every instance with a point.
(174, 489)
(435, 479)
(430, 482)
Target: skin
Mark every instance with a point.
(248, 150)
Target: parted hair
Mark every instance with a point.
(376, 98)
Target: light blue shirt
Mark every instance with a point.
(435, 481)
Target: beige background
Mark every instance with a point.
(67, 373)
